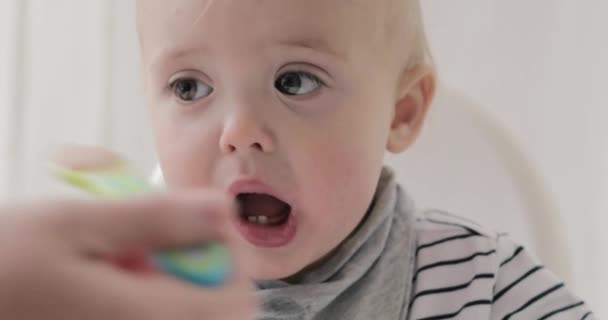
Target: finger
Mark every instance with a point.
(161, 297)
(149, 222)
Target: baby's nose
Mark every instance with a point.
(244, 132)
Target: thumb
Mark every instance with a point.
(107, 228)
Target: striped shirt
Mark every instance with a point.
(466, 272)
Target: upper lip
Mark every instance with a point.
(251, 185)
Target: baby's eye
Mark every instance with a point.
(188, 90)
(296, 83)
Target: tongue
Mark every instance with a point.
(262, 205)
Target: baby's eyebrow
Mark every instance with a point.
(312, 43)
(166, 55)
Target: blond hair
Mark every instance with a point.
(403, 22)
(406, 26)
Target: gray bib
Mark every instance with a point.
(367, 277)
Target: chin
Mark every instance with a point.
(272, 273)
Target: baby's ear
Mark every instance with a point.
(415, 93)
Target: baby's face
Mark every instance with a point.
(285, 104)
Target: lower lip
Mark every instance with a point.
(268, 236)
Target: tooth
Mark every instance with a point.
(262, 219)
(252, 219)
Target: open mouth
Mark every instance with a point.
(263, 209)
(265, 220)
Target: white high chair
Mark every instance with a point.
(466, 163)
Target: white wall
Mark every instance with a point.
(539, 66)
(71, 77)
(9, 22)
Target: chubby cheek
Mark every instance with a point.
(339, 182)
(338, 166)
(184, 154)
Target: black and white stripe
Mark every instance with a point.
(466, 272)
